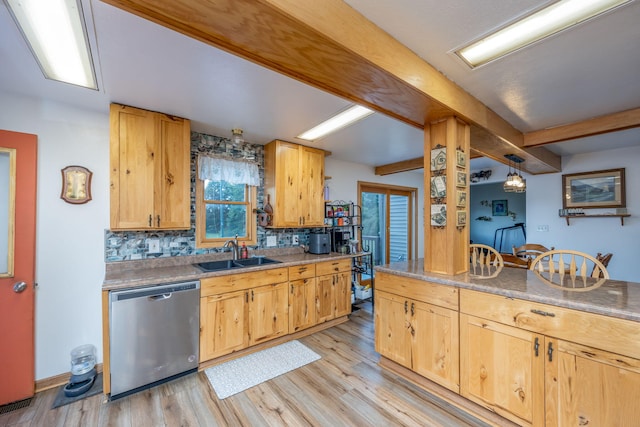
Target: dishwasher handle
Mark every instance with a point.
(160, 297)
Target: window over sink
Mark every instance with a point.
(225, 201)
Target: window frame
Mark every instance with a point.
(201, 229)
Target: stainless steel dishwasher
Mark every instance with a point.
(153, 334)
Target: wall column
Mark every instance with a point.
(446, 244)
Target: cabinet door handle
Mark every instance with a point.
(291, 289)
(252, 295)
(246, 296)
(413, 308)
(406, 305)
(550, 352)
(158, 220)
(543, 313)
(150, 220)
(536, 346)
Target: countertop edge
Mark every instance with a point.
(171, 273)
(463, 281)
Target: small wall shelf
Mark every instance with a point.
(621, 216)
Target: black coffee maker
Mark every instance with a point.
(341, 241)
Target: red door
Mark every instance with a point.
(17, 265)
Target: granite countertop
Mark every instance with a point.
(613, 298)
(135, 274)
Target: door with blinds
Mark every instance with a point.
(387, 220)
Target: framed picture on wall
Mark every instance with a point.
(438, 186)
(461, 179)
(461, 199)
(76, 185)
(461, 159)
(438, 159)
(461, 218)
(499, 208)
(597, 189)
(438, 215)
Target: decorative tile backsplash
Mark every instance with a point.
(133, 245)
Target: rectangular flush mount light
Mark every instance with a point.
(343, 119)
(532, 28)
(56, 34)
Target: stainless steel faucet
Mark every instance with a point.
(234, 244)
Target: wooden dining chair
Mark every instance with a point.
(530, 250)
(571, 268)
(604, 259)
(513, 261)
(485, 261)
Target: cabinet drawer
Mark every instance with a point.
(420, 290)
(304, 271)
(241, 281)
(618, 336)
(331, 267)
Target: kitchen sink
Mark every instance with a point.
(251, 262)
(229, 264)
(225, 264)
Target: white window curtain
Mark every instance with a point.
(232, 171)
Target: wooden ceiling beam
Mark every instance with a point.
(610, 123)
(404, 166)
(410, 165)
(331, 46)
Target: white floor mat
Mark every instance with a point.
(245, 372)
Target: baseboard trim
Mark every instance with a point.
(57, 380)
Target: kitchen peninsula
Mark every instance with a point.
(513, 345)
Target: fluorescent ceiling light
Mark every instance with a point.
(55, 32)
(336, 122)
(532, 28)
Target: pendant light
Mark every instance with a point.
(515, 183)
(236, 137)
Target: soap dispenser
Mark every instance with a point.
(244, 252)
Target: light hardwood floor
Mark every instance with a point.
(344, 388)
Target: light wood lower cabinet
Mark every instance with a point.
(500, 368)
(524, 367)
(224, 325)
(236, 320)
(590, 387)
(333, 289)
(245, 309)
(240, 310)
(268, 313)
(302, 297)
(419, 336)
(413, 333)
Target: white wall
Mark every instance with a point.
(592, 235)
(70, 243)
(343, 185)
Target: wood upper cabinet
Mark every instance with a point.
(294, 181)
(502, 367)
(416, 325)
(150, 170)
